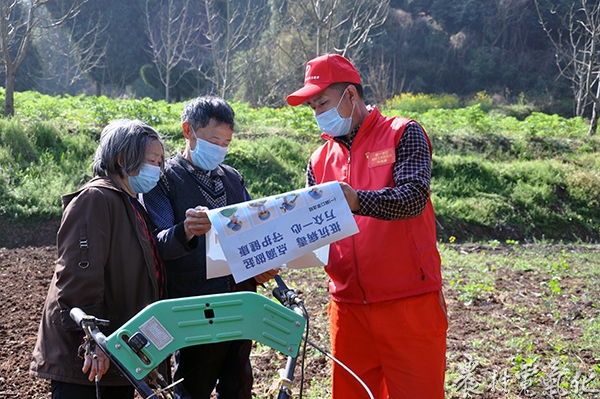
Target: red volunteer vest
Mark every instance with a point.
(387, 259)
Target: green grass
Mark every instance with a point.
(540, 313)
(494, 176)
(509, 327)
(516, 202)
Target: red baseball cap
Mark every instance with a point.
(322, 72)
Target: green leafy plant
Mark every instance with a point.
(494, 177)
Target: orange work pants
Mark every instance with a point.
(397, 348)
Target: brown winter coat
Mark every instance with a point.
(119, 280)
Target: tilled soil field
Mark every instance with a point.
(473, 335)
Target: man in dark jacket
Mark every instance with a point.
(193, 182)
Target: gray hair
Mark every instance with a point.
(123, 140)
(201, 110)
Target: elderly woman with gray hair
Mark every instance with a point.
(107, 264)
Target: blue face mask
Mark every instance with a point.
(207, 155)
(331, 123)
(146, 179)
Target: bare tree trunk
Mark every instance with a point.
(594, 120)
(595, 112)
(168, 87)
(379, 78)
(575, 43)
(579, 101)
(69, 58)
(17, 30)
(173, 33)
(9, 100)
(227, 30)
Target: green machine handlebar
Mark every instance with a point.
(165, 326)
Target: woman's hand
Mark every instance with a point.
(97, 366)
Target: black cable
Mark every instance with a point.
(290, 299)
(305, 338)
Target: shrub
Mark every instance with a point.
(14, 137)
(482, 100)
(419, 103)
(584, 188)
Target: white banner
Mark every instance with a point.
(286, 229)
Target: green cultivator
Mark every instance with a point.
(146, 340)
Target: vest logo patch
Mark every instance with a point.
(382, 157)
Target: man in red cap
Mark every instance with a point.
(387, 314)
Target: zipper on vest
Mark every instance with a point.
(348, 160)
(354, 257)
(356, 269)
(356, 272)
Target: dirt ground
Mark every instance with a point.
(25, 273)
(24, 277)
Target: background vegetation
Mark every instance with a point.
(498, 174)
(512, 165)
(255, 51)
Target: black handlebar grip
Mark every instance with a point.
(280, 283)
(277, 294)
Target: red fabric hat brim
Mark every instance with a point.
(302, 95)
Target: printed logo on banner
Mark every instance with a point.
(262, 210)
(289, 201)
(234, 219)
